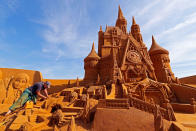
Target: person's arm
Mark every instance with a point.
(40, 95)
(46, 92)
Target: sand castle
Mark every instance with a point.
(125, 87)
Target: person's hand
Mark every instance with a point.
(48, 97)
(45, 98)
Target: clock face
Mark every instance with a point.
(133, 57)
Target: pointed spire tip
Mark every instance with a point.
(133, 20)
(120, 14)
(153, 40)
(93, 46)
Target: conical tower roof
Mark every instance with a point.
(92, 55)
(156, 49)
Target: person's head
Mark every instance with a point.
(21, 80)
(46, 84)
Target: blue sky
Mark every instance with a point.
(54, 36)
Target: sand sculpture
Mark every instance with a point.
(125, 87)
(16, 86)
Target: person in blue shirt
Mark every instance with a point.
(30, 94)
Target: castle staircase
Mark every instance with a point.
(72, 111)
(68, 112)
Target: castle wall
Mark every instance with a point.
(123, 120)
(58, 85)
(105, 71)
(91, 70)
(91, 75)
(188, 80)
(183, 93)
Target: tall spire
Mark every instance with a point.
(156, 49)
(133, 21)
(120, 14)
(121, 22)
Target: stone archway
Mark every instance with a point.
(154, 94)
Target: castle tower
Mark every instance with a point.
(91, 66)
(161, 63)
(135, 31)
(121, 22)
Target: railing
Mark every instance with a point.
(147, 107)
(114, 103)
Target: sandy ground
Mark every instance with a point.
(188, 120)
(4, 108)
(194, 85)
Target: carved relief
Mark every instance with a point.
(133, 57)
(16, 86)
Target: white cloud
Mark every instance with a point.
(147, 7)
(189, 20)
(62, 33)
(166, 10)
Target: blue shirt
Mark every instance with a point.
(36, 87)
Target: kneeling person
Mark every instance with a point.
(30, 94)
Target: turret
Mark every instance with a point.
(156, 49)
(121, 22)
(161, 63)
(91, 66)
(135, 31)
